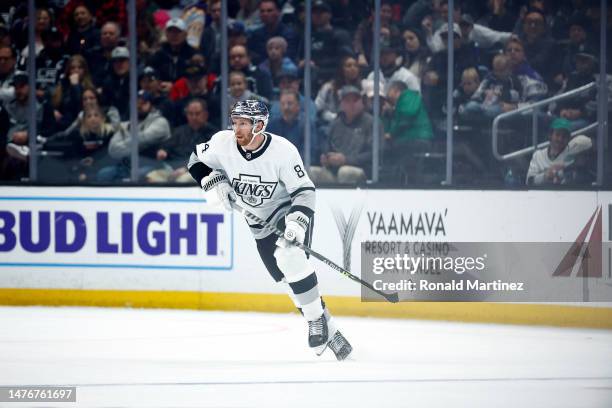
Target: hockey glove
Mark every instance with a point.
(296, 224)
(219, 182)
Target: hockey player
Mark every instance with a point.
(264, 173)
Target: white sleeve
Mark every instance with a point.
(297, 183)
(204, 159)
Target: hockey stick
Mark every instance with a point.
(391, 297)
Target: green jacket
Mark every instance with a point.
(410, 120)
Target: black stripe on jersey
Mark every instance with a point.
(252, 155)
(304, 285)
(306, 210)
(299, 190)
(198, 171)
(280, 207)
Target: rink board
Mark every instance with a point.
(170, 247)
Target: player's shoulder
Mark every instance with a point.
(219, 139)
(281, 144)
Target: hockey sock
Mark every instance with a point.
(306, 292)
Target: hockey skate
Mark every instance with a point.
(317, 332)
(340, 346)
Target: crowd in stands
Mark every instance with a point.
(507, 54)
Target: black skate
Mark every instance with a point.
(317, 332)
(340, 346)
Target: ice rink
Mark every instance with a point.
(170, 358)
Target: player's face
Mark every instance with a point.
(243, 129)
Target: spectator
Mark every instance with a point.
(210, 43)
(289, 80)
(389, 34)
(175, 150)
(89, 100)
(277, 62)
(559, 163)
(258, 81)
(481, 36)
(291, 124)
(116, 86)
(434, 81)
(499, 92)
(83, 34)
(578, 39)
(347, 14)
(148, 36)
(416, 54)
(51, 62)
(238, 90)
(18, 110)
(577, 108)
(7, 69)
(539, 47)
(498, 17)
(43, 23)
(153, 131)
(328, 98)
(89, 141)
(248, 13)
(272, 26)
(327, 43)
(348, 155)
(533, 87)
(391, 71)
(99, 57)
(180, 89)
(171, 60)
(196, 86)
(409, 128)
(470, 82)
(67, 95)
(149, 81)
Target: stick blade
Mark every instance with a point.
(392, 297)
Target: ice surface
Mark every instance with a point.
(170, 358)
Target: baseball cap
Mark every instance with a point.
(468, 19)
(288, 72)
(145, 96)
(348, 90)
(176, 23)
(194, 71)
(561, 123)
(149, 72)
(456, 29)
(587, 51)
(120, 53)
(20, 77)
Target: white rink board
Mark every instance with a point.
(233, 265)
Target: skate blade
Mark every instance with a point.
(319, 350)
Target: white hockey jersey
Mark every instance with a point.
(270, 181)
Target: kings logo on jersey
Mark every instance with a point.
(252, 190)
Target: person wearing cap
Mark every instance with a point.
(391, 70)
(347, 155)
(51, 61)
(195, 84)
(549, 165)
(272, 26)
(289, 79)
(83, 35)
(578, 36)
(99, 57)
(327, 100)
(148, 80)
(116, 86)
(153, 131)
(18, 111)
(433, 84)
(328, 43)
(171, 59)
